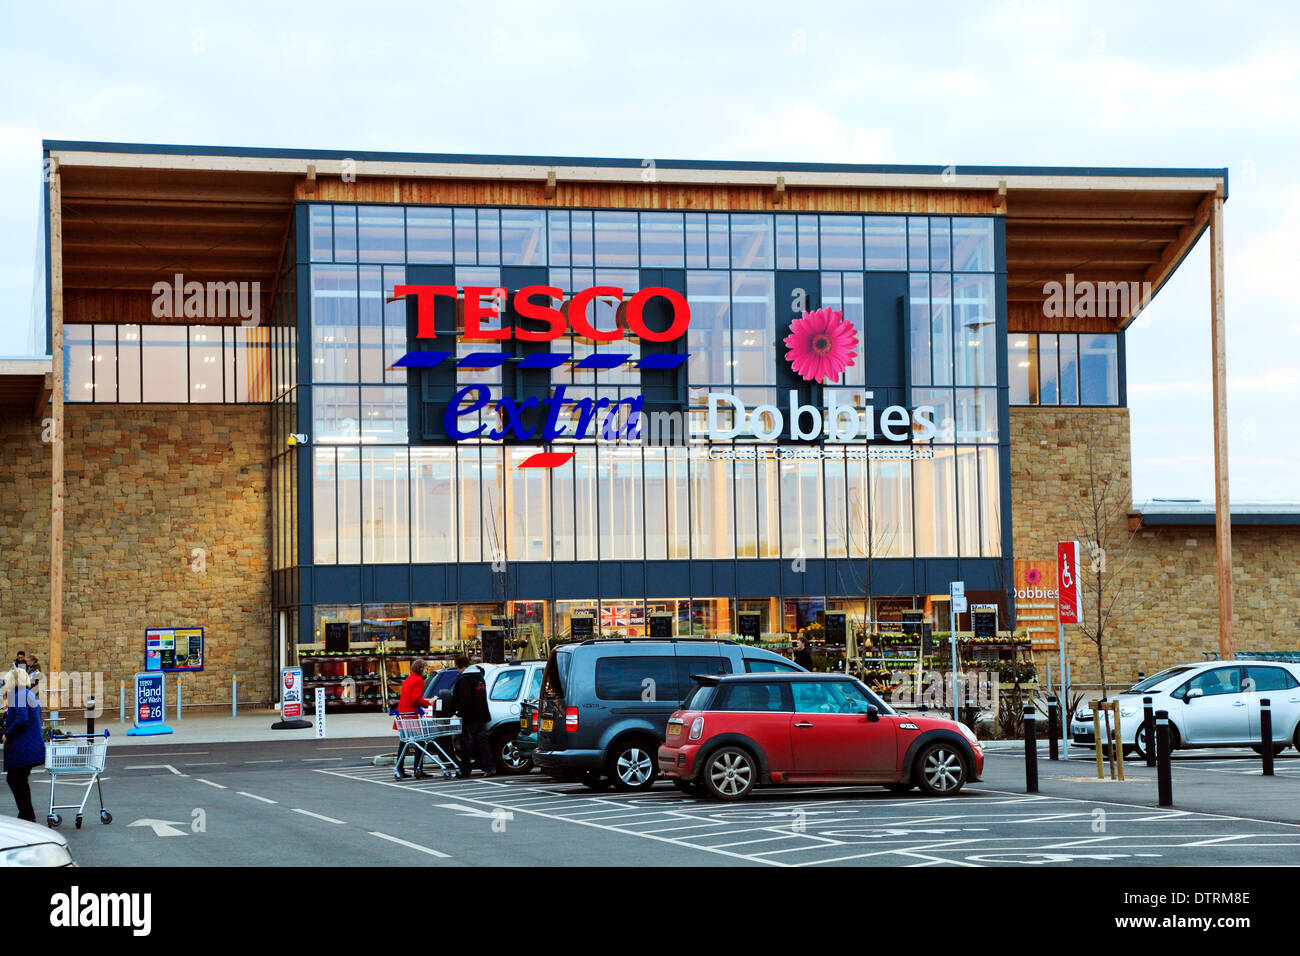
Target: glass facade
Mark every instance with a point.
(379, 498)
(1064, 368)
(131, 364)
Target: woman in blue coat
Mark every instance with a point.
(24, 744)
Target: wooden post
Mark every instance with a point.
(1222, 513)
(55, 659)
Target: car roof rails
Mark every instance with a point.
(657, 640)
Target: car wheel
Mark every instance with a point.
(940, 770)
(1277, 749)
(632, 766)
(594, 781)
(899, 787)
(509, 759)
(730, 773)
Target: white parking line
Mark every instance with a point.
(317, 816)
(264, 761)
(244, 793)
(219, 786)
(156, 766)
(581, 823)
(318, 759)
(405, 843)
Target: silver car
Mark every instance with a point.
(26, 844)
(1210, 704)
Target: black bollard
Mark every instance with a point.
(1053, 726)
(1164, 773)
(1266, 734)
(90, 717)
(1149, 730)
(1031, 751)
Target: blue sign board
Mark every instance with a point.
(150, 705)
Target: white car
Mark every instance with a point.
(508, 686)
(1210, 704)
(26, 844)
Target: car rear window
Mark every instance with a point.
(771, 697)
(1270, 678)
(636, 678)
(557, 673)
(688, 667)
(765, 666)
(507, 685)
(701, 698)
(535, 685)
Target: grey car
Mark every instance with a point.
(605, 704)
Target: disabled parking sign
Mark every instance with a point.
(150, 705)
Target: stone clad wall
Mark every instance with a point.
(146, 485)
(1172, 572)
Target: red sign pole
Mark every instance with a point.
(1067, 612)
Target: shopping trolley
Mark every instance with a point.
(426, 735)
(80, 755)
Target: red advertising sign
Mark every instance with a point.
(291, 698)
(1069, 598)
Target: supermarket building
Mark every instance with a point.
(245, 425)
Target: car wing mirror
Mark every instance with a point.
(872, 712)
(1194, 693)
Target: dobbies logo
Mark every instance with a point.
(821, 345)
(545, 322)
(75, 909)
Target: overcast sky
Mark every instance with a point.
(1101, 84)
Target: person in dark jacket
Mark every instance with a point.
(469, 702)
(24, 745)
(802, 656)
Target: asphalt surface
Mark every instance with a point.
(323, 802)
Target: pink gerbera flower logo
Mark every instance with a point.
(821, 345)
(1033, 576)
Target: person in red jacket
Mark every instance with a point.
(408, 705)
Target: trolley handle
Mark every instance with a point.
(84, 736)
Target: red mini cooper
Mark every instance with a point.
(741, 730)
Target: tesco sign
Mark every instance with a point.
(557, 320)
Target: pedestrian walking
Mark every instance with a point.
(469, 702)
(409, 704)
(802, 656)
(34, 674)
(24, 745)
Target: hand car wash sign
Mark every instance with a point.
(545, 322)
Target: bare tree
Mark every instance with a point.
(859, 537)
(1099, 519)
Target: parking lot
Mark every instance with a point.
(986, 825)
(325, 802)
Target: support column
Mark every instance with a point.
(1222, 513)
(55, 658)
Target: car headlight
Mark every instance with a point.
(968, 734)
(38, 854)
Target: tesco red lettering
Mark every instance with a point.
(557, 320)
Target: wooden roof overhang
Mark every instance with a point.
(135, 215)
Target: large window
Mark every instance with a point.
(1047, 368)
(129, 364)
(379, 500)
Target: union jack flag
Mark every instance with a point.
(615, 616)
